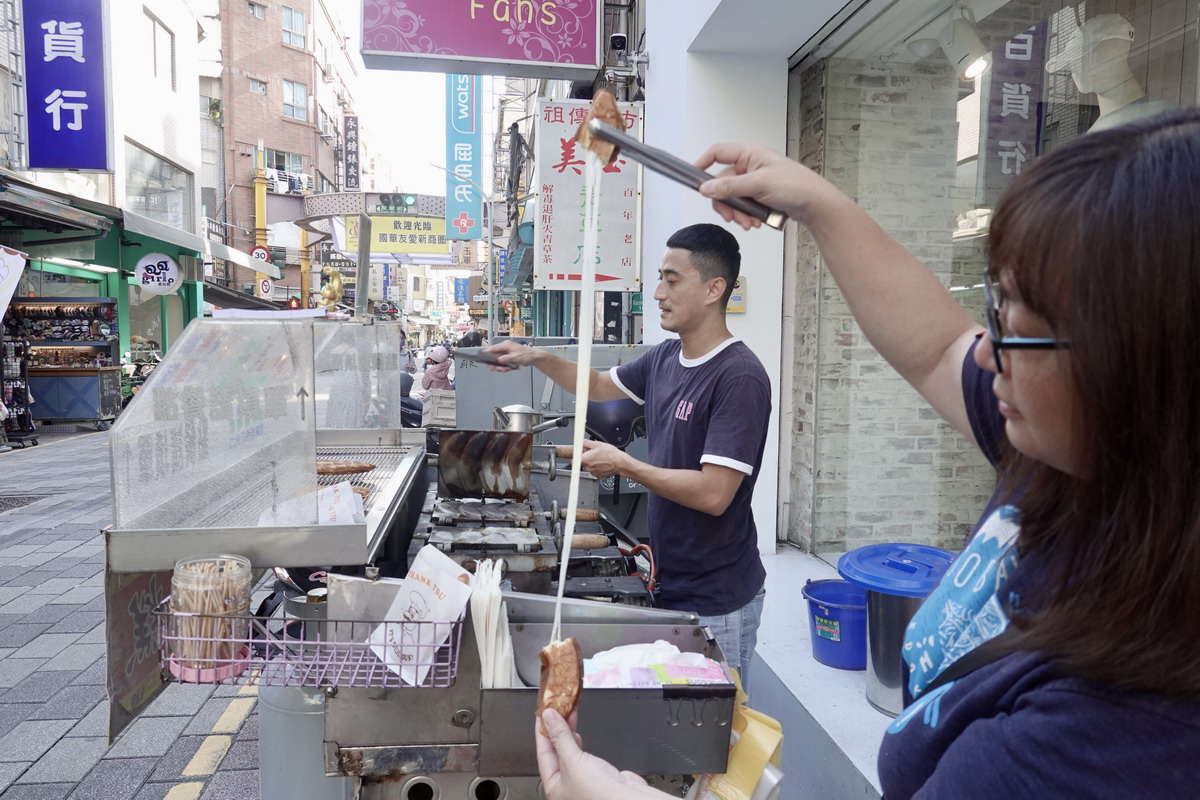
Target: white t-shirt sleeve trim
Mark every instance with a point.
(732, 463)
(612, 373)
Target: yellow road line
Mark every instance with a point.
(249, 691)
(235, 715)
(208, 757)
(185, 791)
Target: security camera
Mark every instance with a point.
(618, 42)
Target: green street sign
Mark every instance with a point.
(636, 304)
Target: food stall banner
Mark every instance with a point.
(401, 234)
(464, 157)
(558, 227)
(65, 85)
(12, 264)
(519, 38)
(225, 432)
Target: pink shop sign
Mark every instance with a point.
(522, 38)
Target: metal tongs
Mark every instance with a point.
(680, 171)
(483, 357)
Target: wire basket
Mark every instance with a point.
(285, 651)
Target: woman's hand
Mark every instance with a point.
(568, 773)
(759, 172)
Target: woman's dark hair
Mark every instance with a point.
(714, 253)
(1102, 239)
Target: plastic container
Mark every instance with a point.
(438, 409)
(837, 616)
(210, 600)
(897, 578)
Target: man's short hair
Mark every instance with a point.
(714, 253)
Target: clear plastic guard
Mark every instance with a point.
(224, 433)
(358, 375)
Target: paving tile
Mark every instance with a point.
(202, 723)
(48, 614)
(170, 766)
(154, 791)
(9, 773)
(76, 657)
(114, 779)
(95, 636)
(80, 570)
(239, 785)
(179, 700)
(81, 620)
(31, 738)
(15, 670)
(93, 605)
(20, 634)
(12, 714)
(241, 755)
(25, 604)
(10, 593)
(69, 760)
(96, 673)
(58, 546)
(31, 560)
(8, 573)
(80, 594)
(72, 703)
(55, 586)
(39, 791)
(249, 727)
(18, 550)
(37, 687)
(47, 645)
(94, 724)
(148, 736)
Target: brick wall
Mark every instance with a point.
(871, 460)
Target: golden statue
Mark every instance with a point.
(331, 292)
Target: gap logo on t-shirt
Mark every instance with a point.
(964, 610)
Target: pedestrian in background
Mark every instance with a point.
(437, 369)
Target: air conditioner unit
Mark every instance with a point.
(326, 136)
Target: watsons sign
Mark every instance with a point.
(464, 159)
(157, 273)
(521, 38)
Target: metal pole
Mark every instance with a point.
(493, 327)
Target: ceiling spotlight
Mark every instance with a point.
(962, 45)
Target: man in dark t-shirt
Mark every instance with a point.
(708, 402)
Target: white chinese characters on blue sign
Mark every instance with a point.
(464, 203)
(65, 76)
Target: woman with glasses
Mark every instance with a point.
(1060, 656)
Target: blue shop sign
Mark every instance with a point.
(464, 157)
(461, 287)
(65, 84)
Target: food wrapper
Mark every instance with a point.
(335, 505)
(753, 771)
(435, 590)
(646, 666)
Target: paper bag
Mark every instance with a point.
(435, 590)
(753, 769)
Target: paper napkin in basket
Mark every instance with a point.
(757, 744)
(435, 590)
(489, 617)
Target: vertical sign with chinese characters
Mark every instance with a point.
(464, 158)
(462, 288)
(1014, 110)
(558, 231)
(65, 85)
(350, 145)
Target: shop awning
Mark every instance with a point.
(218, 295)
(136, 223)
(45, 206)
(422, 321)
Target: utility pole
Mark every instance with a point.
(260, 211)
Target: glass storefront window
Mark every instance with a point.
(928, 153)
(145, 322)
(158, 189)
(36, 283)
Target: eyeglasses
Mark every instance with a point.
(1001, 342)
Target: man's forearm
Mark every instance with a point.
(692, 488)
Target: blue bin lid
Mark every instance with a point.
(908, 570)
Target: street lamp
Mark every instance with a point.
(493, 327)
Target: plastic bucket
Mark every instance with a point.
(837, 617)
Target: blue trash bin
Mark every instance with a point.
(837, 623)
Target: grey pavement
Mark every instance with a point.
(54, 501)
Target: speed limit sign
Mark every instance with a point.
(260, 253)
(265, 287)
